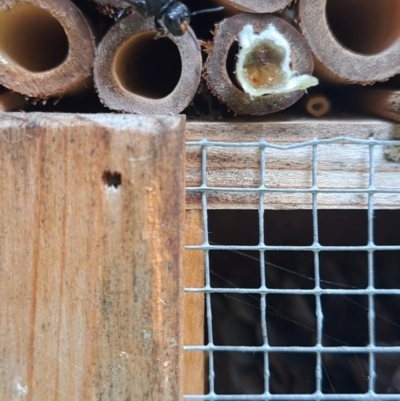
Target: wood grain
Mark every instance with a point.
(340, 166)
(193, 321)
(90, 279)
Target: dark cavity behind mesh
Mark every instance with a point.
(291, 319)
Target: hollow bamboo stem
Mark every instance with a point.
(135, 73)
(46, 47)
(384, 103)
(316, 104)
(10, 101)
(256, 6)
(354, 41)
(219, 67)
(109, 7)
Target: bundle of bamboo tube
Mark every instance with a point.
(262, 57)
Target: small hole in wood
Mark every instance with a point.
(112, 179)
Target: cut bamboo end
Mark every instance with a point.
(354, 41)
(135, 73)
(384, 103)
(10, 101)
(316, 105)
(46, 47)
(220, 64)
(257, 6)
(112, 3)
(109, 7)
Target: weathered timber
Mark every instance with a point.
(194, 303)
(91, 230)
(339, 166)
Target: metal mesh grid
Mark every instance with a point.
(372, 349)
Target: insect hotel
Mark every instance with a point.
(199, 200)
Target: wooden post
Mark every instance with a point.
(193, 321)
(91, 211)
(239, 167)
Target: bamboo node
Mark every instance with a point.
(263, 64)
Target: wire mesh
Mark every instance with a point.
(319, 350)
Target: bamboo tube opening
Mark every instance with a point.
(136, 73)
(317, 105)
(353, 41)
(221, 68)
(46, 48)
(364, 26)
(147, 67)
(32, 38)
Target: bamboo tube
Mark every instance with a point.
(316, 104)
(10, 101)
(219, 74)
(109, 7)
(256, 6)
(379, 102)
(354, 41)
(112, 3)
(137, 74)
(46, 47)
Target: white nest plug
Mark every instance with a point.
(263, 64)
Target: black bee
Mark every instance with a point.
(170, 15)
